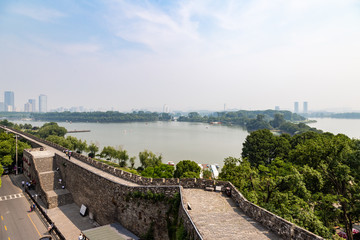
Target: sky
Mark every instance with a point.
(190, 55)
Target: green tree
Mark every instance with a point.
(51, 128)
(122, 156)
(132, 162)
(187, 169)
(278, 120)
(149, 159)
(207, 174)
(108, 153)
(161, 171)
(262, 147)
(93, 148)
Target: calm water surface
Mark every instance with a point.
(349, 127)
(176, 141)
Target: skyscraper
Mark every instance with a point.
(42, 103)
(296, 107)
(32, 105)
(305, 107)
(9, 103)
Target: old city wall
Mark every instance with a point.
(107, 201)
(106, 190)
(33, 174)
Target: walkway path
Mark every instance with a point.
(80, 163)
(217, 217)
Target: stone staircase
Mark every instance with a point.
(51, 182)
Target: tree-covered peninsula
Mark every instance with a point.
(281, 121)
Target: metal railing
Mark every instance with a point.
(55, 231)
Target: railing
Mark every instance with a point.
(55, 230)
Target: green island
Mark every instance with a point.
(277, 121)
(308, 177)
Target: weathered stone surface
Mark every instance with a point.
(217, 217)
(97, 191)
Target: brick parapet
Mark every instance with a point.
(282, 227)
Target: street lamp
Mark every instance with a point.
(16, 154)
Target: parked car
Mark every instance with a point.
(46, 238)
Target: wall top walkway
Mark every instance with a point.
(280, 226)
(52, 151)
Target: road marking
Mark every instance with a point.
(34, 224)
(11, 197)
(5, 228)
(2, 218)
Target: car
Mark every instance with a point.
(45, 238)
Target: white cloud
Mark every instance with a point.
(38, 13)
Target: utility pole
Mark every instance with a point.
(16, 154)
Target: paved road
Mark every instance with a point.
(16, 221)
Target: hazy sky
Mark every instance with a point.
(186, 54)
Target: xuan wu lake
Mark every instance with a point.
(176, 141)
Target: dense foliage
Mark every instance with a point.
(8, 149)
(109, 116)
(187, 169)
(311, 179)
(254, 120)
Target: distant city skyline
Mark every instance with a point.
(125, 55)
(32, 105)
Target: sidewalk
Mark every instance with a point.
(67, 218)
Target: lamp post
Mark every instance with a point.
(16, 154)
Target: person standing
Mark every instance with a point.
(81, 237)
(23, 183)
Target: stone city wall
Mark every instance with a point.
(282, 227)
(108, 201)
(31, 173)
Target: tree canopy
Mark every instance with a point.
(311, 179)
(187, 169)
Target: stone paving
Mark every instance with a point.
(68, 219)
(217, 217)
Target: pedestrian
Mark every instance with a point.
(81, 237)
(33, 207)
(50, 228)
(23, 183)
(69, 156)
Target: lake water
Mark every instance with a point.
(176, 141)
(349, 127)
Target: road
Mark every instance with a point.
(17, 222)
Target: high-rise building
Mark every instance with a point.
(296, 107)
(2, 108)
(32, 107)
(305, 107)
(9, 103)
(27, 107)
(42, 103)
(277, 108)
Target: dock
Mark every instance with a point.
(78, 131)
